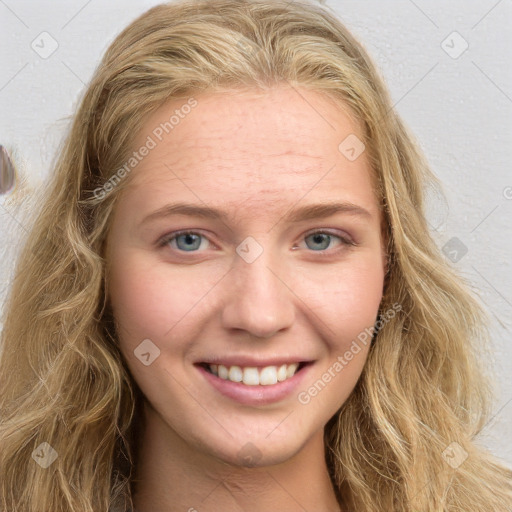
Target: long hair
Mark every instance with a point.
(68, 404)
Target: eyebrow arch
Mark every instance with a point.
(312, 211)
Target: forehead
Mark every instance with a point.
(251, 146)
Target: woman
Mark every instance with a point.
(230, 300)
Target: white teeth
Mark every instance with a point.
(292, 368)
(235, 374)
(223, 372)
(251, 376)
(281, 373)
(268, 376)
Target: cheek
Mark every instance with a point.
(348, 304)
(360, 293)
(136, 299)
(347, 298)
(148, 299)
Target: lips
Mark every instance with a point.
(256, 383)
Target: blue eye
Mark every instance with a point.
(321, 240)
(191, 241)
(187, 241)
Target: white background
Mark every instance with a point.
(459, 108)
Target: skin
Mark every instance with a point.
(256, 156)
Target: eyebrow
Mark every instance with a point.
(312, 211)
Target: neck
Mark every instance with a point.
(173, 476)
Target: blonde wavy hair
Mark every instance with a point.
(63, 379)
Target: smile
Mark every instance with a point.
(255, 383)
(252, 375)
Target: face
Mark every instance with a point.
(280, 269)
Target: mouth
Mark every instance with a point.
(255, 375)
(255, 383)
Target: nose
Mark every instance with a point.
(258, 298)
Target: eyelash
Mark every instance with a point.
(345, 241)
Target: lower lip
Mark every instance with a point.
(255, 395)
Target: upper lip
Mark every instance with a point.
(247, 361)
